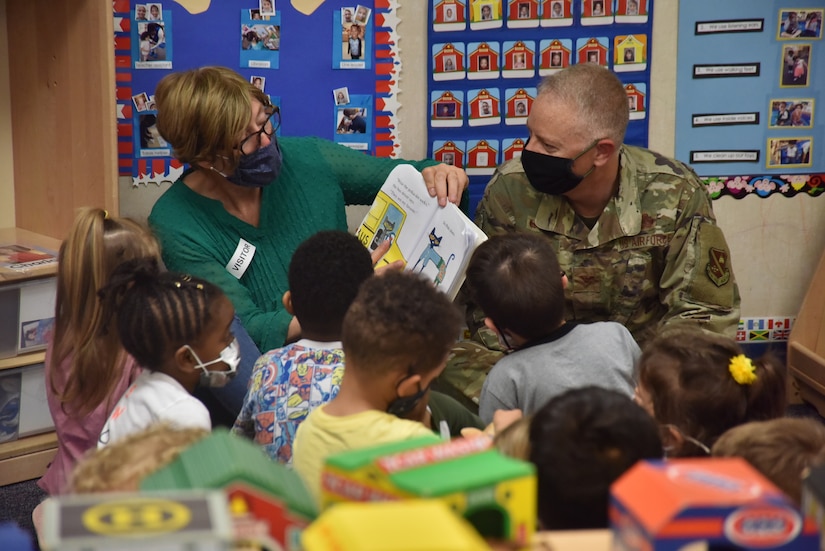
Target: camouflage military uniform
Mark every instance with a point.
(655, 257)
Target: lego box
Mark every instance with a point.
(667, 505)
(495, 493)
(813, 498)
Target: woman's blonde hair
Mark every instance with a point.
(202, 113)
(120, 467)
(96, 244)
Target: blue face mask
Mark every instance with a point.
(258, 169)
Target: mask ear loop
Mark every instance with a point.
(690, 439)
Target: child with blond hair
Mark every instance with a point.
(781, 449)
(87, 369)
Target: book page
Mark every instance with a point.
(401, 212)
(443, 255)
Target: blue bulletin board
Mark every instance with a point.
(750, 94)
(486, 58)
(306, 63)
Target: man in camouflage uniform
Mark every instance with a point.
(633, 230)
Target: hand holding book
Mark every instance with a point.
(427, 238)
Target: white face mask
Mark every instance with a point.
(231, 356)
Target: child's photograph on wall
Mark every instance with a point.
(789, 152)
(352, 120)
(150, 137)
(352, 42)
(258, 82)
(796, 65)
(141, 102)
(791, 112)
(800, 24)
(266, 7)
(445, 110)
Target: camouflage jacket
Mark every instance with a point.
(654, 257)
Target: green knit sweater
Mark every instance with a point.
(317, 180)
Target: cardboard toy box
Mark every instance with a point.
(497, 494)
(269, 503)
(813, 498)
(666, 505)
(183, 520)
(417, 524)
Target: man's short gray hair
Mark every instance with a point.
(595, 95)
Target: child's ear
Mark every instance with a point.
(184, 359)
(672, 438)
(491, 325)
(409, 385)
(287, 302)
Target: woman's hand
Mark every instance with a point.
(446, 182)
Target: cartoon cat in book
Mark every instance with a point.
(383, 233)
(430, 255)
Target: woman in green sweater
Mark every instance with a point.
(248, 199)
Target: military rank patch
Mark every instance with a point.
(718, 268)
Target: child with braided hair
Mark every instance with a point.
(178, 328)
(697, 385)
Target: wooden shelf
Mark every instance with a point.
(29, 444)
(26, 458)
(23, 360)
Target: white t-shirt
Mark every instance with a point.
(152, 398)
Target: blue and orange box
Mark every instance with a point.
(665, 505)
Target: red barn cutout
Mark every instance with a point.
(449, 15)
(597, 12)
(517, 107)
(631, 11)
(482, 157)
(445, 111)
(593, 51)
(635, 102)
(522, 14)
(448, 63)
(556, 13)
(519, 59)
(450, 153)
(554, 57)
(483, 61)
(484, 108)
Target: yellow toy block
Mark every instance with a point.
(401, 526)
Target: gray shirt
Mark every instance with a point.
(602, 354)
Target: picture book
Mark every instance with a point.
(429, 239)
(18, 258)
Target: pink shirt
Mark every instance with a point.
(76, 435)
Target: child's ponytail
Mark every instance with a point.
(136, 272)
(767, 397)
(156, 311)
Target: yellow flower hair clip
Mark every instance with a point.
(742, 369)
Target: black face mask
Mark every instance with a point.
(552, 175)
(402, 405)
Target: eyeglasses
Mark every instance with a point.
(252, 142)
